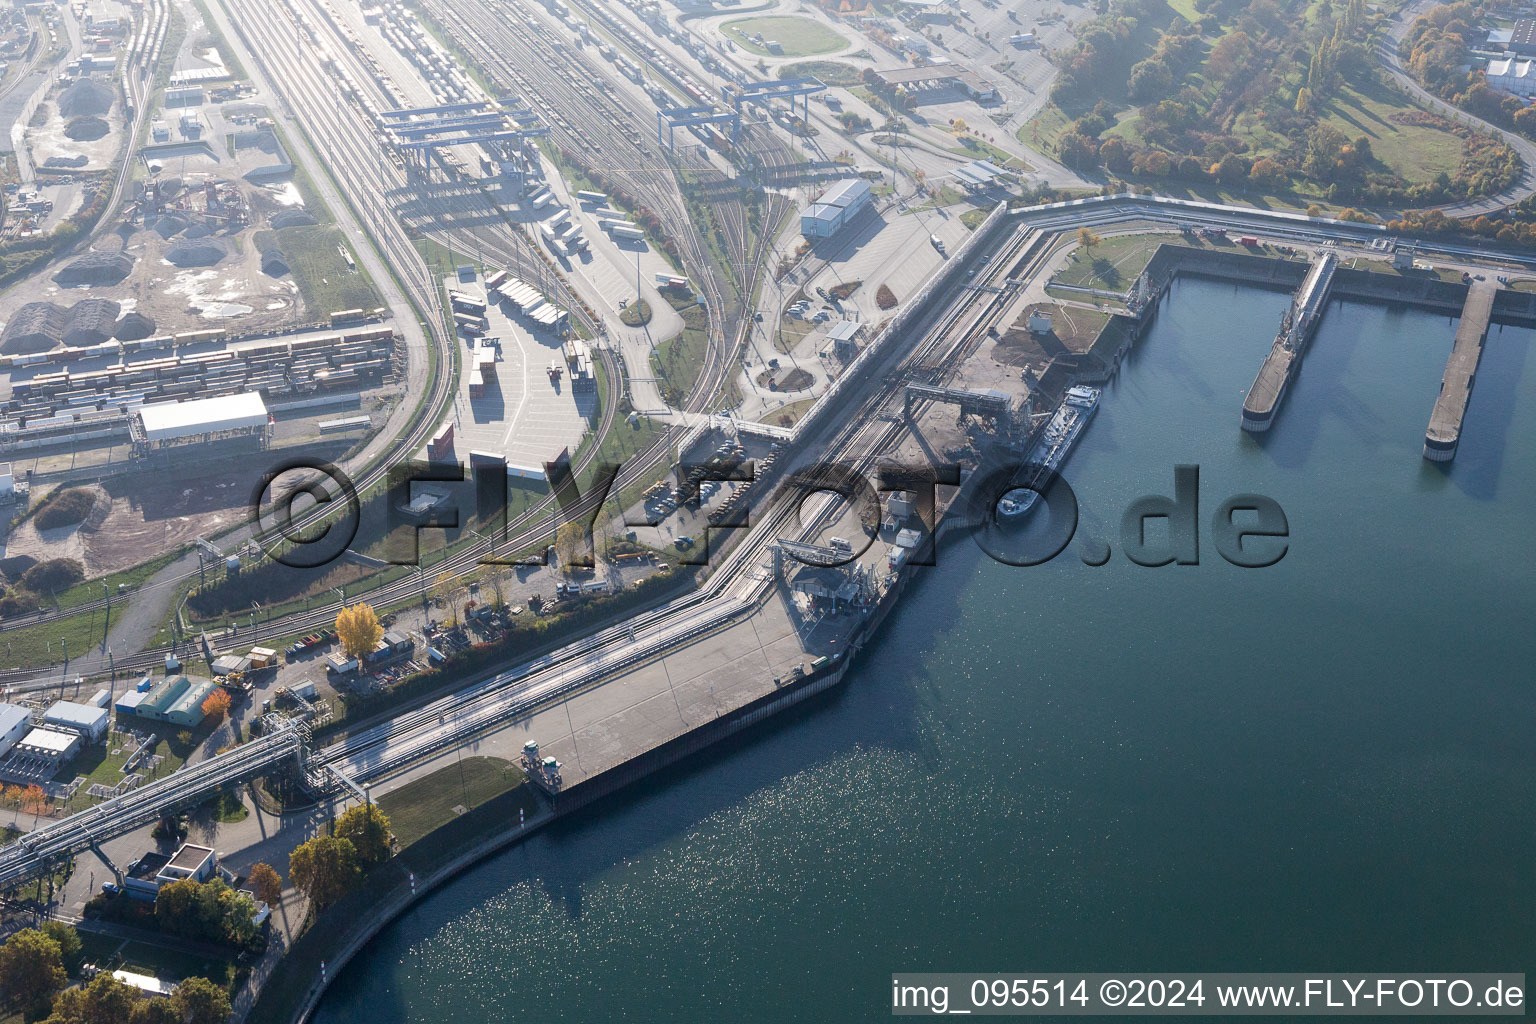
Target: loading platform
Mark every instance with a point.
(1444, 431)
(1296, 329)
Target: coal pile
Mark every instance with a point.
(292, 219)
(86, 129)
(201, 253)
(91, 322)
(133, 326)
(78, 160)
(96, 269)
(274, 263)
(86, 98)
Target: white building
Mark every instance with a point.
(86, 719)
(15, 722)
(1513, 76)
(838, 205)
(167, 424)
(49, 745)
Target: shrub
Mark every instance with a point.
(53, 576)
(884, 297)
(66, 507)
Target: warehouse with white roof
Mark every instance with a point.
(88, 720)
(200, 421)
(839, 205)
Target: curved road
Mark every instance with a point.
(1392, 60)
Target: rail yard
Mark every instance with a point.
(664, 368)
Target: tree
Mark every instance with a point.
(179, 910)
(34, 800)
(1231, 169)
(571, 546)
(358, 630)
(266, 883)
(324, 869)
(1229, 54)
(70, 947)
(200, 1001)
(1087, 238)
(104, 1001)
(31, 969)
(367, 829)
(157, 1010)
(1116, 155)
(216, 704)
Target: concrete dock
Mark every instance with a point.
(1444, 432)
(1290, 343)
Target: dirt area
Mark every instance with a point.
(1072, 331)
(235, 290)
(149, 513)
(52, 141)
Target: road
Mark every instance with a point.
(1392, 60)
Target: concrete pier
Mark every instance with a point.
(1285, 354)
(1444, 431)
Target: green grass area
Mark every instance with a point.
(677, 363)
(797, 37)
(972, 218)
(91, 590)
(103, 762)
(1114, 263)
(1415, 152)
(832, 72)
(428, 803)
(624, 442)
(980, 149)
(325, 281)
(27, 646)
(635, 314)
(226, 807)
(172, 964)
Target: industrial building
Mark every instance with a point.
(88, 720)
(937, 78)
(15, 722)
(843, 337)
(146, 875)
(191, 861)
(1517, 77)
(838, 205)
(175, 699)
(201, 421)
(1522, 38)
(51, 746)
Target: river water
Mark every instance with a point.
(1324, 765)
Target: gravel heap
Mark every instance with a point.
(293, 218)
(133, 326)
(35, 327)
(86, 129)
(85, 98)
(40, 326)
(201, 253)
(95, 268)
(170, 224)
(91, 322)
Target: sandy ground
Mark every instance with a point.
(149, 514)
